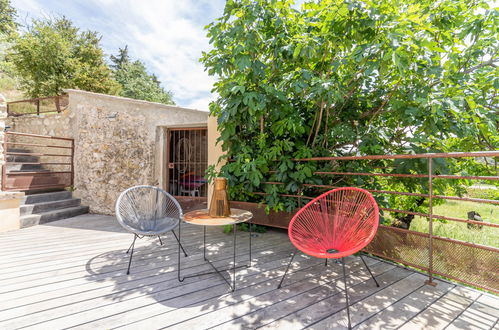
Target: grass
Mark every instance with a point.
(486, 235)
(474, 266)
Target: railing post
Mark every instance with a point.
(430, 223)
(72, 162)
(57, 104)
(38, 107)
(299, 198)
(3, 137)
(4, 163)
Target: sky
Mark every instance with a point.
(168, 35)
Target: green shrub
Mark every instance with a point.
(481, 193)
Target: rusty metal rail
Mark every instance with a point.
(37, 106)
(434, 254)
(36, 167)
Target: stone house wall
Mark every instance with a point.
(119, 142)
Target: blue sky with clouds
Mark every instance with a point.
(167, 35)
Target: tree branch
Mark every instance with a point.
(481, 65)
(376, 111)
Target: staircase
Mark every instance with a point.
(24, 169)
(46, 207)
(37, 208)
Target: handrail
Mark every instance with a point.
(397, 175)
(35, 154)
(39, 136)
(407, 156)
(428, 246)
(35, 99)
(38, 145)
(31, 179)
(38, 103)
(456, 198)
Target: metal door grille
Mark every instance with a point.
(187, 161)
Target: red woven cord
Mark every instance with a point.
(344, 219)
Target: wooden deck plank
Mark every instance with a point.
(165, 288)
(406, 308)
(138, 277)
(121, 245)
(262, 283)
(443, 311)
(107, 256)
(476, 317)
(321, 314)
(271, 279)
(71, 273)
(166, 303)
(81, 259)
(129, 287)
(87, 245)
(291, 291)
(60, 236)
(371, 301)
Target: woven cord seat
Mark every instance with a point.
(334, 225)
(147, 211)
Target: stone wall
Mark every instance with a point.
(119, 142)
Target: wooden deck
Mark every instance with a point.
(72, 274)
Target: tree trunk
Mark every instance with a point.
(404, 220)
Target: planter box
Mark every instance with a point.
(260, 217)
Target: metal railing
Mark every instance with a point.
(467, 262)
(37, 106)
(33, 163)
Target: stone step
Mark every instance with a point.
(28, 209)
(47, 197)
(22, 159)
(30, 181)
(44, 217)
(9, 149)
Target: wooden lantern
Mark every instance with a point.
(219, 205)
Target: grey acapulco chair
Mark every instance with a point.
(147, 211)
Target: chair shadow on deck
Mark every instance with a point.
(311, 295)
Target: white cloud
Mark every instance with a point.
(167, 34)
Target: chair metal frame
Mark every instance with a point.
(137, 232)
(331, 254)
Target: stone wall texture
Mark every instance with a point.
(119, 142)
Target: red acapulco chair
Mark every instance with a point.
(334, 225)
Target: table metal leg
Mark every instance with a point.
(232, 285)
(234, 258)
(179, 247)
(204, 243)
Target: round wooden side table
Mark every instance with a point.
(202, 218)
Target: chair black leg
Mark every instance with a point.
(325, 264)
(365, 264)
(346, 293)
(134, 237)
(131, 254)
(160, 242)
(185, 253)
(287, 268)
